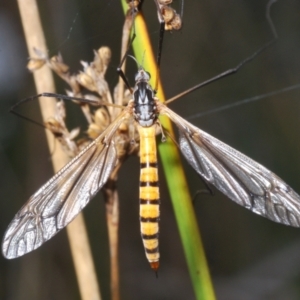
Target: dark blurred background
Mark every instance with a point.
(249, 256)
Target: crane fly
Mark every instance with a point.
(241, 179)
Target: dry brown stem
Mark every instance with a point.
(82, 257)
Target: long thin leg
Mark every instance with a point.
(159, 53)
(160, 42)
(240, 65)
(119, 69)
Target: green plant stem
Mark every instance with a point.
(178, 188)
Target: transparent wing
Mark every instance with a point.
(57, 202)
(237, 176)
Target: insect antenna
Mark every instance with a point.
(59, 96)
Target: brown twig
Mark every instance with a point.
(82, 257)
(111, 197)
(110, 190)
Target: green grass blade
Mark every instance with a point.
(178, 188)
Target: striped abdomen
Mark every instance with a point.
(149, 195)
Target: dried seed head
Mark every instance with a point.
(126, 97)
(84, 64)
(121, 146)
(92, 79)
(165, 2)
(54, 126)
(58, 66)
(60, 110)
(105, 55)
(133, 3)
(168, 14)
(72, 81)
(101, 121)
(93, 131)
(98, 64)
(35, 64)
(74, 133)
(176, 23)
(89, 70)
(102, 118)
(101, 60)
(86, 81)
(123, 128)
(102, 88)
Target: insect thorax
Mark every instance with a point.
(145, 111)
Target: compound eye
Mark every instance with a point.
(148, 74)
(138, 76)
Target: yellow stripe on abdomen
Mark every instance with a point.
(149, 194)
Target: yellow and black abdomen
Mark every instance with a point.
(149, 194)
